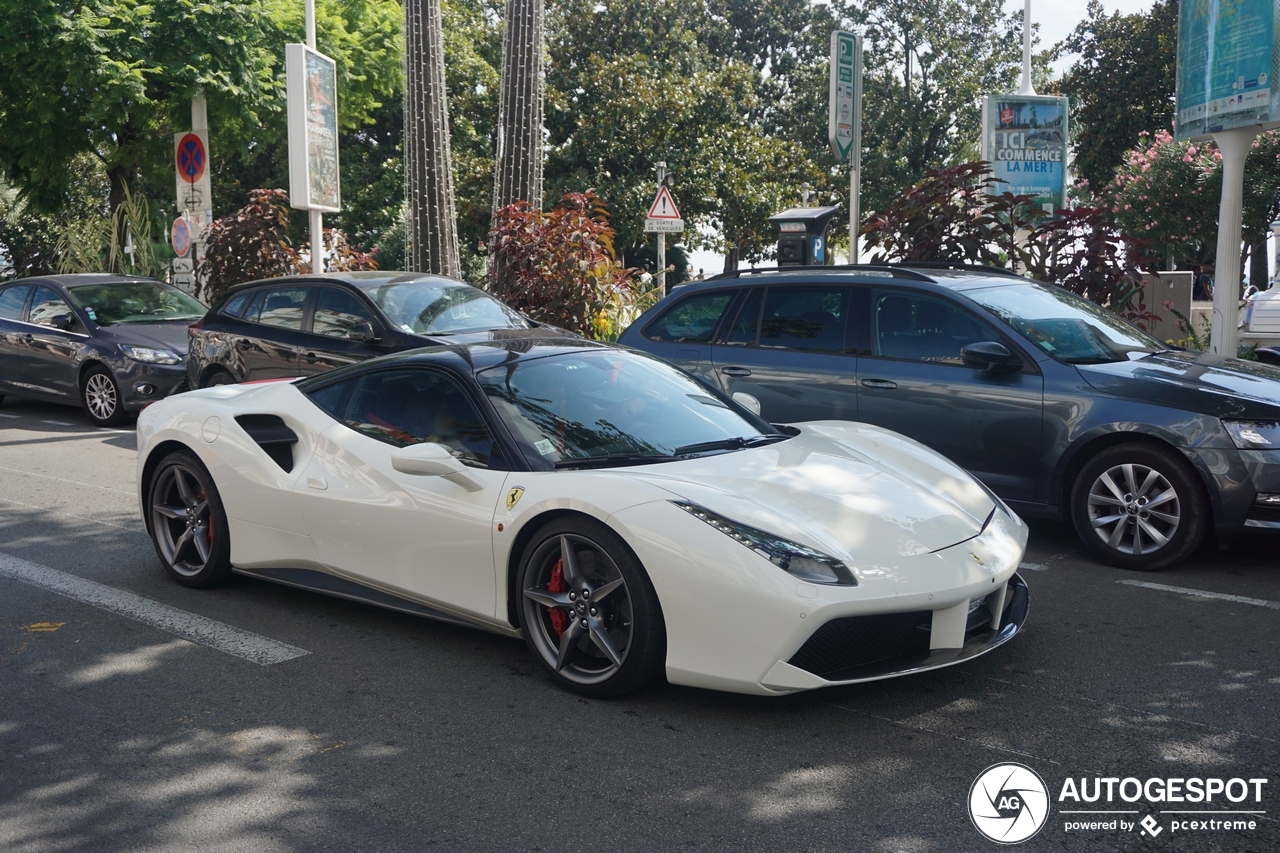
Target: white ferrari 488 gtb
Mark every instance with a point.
(623, 518)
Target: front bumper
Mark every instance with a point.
(1235, 478)
(143, 384)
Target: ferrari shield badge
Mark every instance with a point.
(513, 497)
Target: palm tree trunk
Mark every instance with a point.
(428, 176)
(518, 168)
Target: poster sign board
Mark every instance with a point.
(1024, 137)
(1227, 62)
(844, 110)
(191, 165)
(312, 89)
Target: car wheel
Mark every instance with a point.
(1139, 506)
(588, 610)
(100, 397)
(220, 377)
(188, 523)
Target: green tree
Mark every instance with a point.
(1122, 84)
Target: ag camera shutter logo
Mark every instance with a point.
(1008, 803)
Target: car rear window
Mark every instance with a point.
(691, 320)
(235, 305)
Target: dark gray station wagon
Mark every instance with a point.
(1060, 407)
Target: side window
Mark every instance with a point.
(334, 398)
(255, 306)
(746, 325)
(693, 320)
(11, 301)
(45, 305)
(283, 307)
(922, 328)
(404, 407)
(336, 312)
(805, 318)
(236, 304)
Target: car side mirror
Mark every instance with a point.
(991, 355)
(748, 402)
(362, 332)
(433, 460)
(65, 321)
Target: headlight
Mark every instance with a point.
(150, 356)
(1254, 435)
(799, 560)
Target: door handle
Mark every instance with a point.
(311, 358)
(735, 371)
(318, 483)
(28, 337)
(879, 384)
(244, 343)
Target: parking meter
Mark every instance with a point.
(802, 235)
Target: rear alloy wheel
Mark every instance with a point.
(188, 523)
(220, 377)
(589, 611)
(100, 396)
(1138, 506)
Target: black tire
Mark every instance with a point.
(1130, 497)
(629, 619)
(219, 377)
(188, 523)
(100, 398)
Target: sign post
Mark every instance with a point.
(663, 219)
(1227, 63)
(194, 189)
(312, 93)
(844, 120)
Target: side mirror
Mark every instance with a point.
(746, 401)
(65, 321)
(362, 332)
(991, 355)
(433, 460)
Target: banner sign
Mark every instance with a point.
(844, 108)
(312, 87)
(1227, 62)
(1024, 137)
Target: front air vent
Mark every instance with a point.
(272, 435)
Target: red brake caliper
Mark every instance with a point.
(559, 619)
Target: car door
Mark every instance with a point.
(912, 379)
(787, 348)
(13, 300)
(269, 350)
(682, 334)
(425, 536)
(48, 353)
(327, 343)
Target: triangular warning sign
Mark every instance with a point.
(664, 206)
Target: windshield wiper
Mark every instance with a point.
(736, 443)
(610, 460)
(1091, 359)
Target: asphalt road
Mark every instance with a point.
(397, 733)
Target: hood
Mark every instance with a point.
(842, 487)
(171, 336)
(1194, 381)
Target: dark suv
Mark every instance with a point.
(301, 325)
(1059, 406)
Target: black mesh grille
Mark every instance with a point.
(272, 435)
(1264, 513)
(282, 454)
(858, 641)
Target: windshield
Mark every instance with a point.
(135, 302)
(441, 307)
(611, 406)
(1065, 326)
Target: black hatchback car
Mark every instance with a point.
(111, 344)
(301, 325)
(1060, 407)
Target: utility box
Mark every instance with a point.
(802, 236)
(1162, 294)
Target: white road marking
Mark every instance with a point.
(1200, 593)
(1035, 567)
(15, 417)
(58, 423)
(72, 515)
(61, 480)
(189, 626)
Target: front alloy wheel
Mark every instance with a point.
(1139, 506)
(188, 524)
(588, 610)
(100, 397)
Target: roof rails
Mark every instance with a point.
(905, 269)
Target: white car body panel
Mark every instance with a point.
(918, 532)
